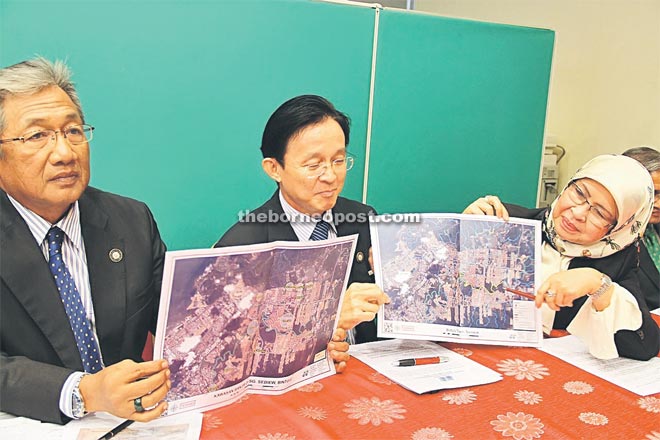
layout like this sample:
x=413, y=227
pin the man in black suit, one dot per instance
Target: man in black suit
x=649, y=267
x=74, y=315
x=304, y=149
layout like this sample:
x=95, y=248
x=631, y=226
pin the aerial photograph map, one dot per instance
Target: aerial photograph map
x=249, y=319
x=447, y=277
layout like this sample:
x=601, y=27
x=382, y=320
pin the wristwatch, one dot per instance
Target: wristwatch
x=605, y=283
x=77, y=402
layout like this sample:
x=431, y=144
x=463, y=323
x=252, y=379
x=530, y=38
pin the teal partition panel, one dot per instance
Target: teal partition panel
x=180, y=92
x=459, y=111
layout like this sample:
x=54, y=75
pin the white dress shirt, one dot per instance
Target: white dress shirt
x=303, y=224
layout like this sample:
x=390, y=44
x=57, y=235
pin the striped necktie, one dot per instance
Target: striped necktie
x=82, y=328
x=320, y=231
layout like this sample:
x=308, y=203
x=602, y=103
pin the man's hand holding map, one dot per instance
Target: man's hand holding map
x=249, y=319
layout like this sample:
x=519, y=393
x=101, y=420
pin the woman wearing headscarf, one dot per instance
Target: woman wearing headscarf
x=590, y=257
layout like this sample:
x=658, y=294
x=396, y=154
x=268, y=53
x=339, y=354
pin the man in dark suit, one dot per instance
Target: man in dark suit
x=649, y=275
x=81, y=268
x=304, y=149
x=649, y=252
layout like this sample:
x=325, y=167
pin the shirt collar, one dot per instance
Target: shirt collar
x=296, y=216
x=39, y=227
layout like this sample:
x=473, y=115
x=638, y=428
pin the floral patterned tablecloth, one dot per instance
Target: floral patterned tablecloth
x=540, y=396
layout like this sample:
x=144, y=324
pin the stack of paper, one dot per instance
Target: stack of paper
x=454, y=371
x=640, y=377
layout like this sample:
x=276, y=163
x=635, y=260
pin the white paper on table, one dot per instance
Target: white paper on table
x=457, y=372
x=187, y=426
x=639, y=377
x=24, y=427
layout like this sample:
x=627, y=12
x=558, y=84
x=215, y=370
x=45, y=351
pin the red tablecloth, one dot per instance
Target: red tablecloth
x=540, y=396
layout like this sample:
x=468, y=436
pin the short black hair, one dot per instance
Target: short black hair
x=292, y=117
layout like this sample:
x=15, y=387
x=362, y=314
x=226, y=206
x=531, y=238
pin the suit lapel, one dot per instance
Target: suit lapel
x=107, y=278
x=25, y=271
x=278, y=231
x=343, y=228
x=340, y=226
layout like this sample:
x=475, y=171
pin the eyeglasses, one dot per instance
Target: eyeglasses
x=36, y=140
x=595, y=215
x=316, y=170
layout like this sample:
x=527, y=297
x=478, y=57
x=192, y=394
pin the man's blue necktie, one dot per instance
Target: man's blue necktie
x=82, y=328
x=320, y=231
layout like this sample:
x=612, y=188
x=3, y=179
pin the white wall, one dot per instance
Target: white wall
x=605, y=85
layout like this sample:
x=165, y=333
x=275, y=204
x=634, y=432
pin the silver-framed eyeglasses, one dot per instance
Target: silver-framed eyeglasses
x=36, y=140
x=339, y=165
x=595, y=215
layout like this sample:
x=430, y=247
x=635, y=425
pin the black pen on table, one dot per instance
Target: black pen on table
x=420, y=361
x=117, y=429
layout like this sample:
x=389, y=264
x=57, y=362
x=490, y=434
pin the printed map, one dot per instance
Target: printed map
x=265, y=313
x=453, y=272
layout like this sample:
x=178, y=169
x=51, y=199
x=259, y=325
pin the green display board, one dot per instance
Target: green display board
x=180, y=91
x=459, y=112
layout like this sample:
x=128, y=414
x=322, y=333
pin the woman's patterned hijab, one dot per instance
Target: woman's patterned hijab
x=630, y=185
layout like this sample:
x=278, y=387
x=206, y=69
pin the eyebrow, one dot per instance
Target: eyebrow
x=585, y=189
x=42, y=121
x=318, y=155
